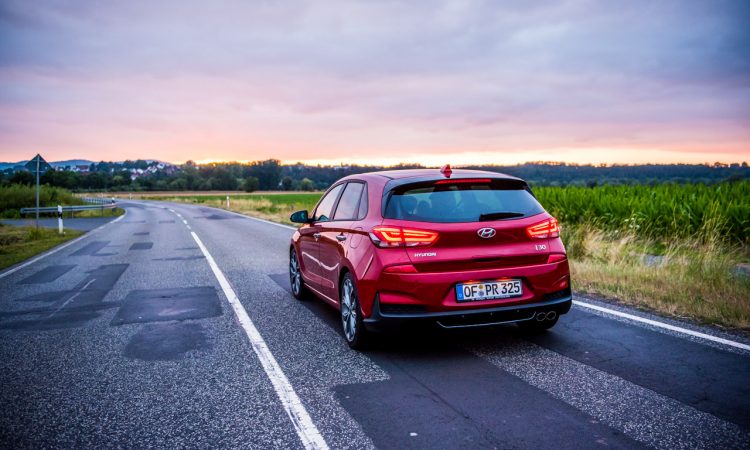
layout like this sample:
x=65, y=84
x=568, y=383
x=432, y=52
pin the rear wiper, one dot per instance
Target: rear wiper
x=499, y=215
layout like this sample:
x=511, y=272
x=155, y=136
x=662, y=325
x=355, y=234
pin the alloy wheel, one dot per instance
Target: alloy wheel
x=349, y=310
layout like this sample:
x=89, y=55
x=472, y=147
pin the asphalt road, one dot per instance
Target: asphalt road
x=136, y=336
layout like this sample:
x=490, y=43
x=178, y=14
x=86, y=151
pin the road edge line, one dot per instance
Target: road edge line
x=663, y=325
x=303, y=424
x=58, y=248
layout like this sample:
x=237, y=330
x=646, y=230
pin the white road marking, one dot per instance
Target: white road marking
x=666, y=326
x=58, y=248
x=303, y=424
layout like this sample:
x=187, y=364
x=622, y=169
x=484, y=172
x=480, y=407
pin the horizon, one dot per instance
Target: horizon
x=335, y=83
x=388, y=166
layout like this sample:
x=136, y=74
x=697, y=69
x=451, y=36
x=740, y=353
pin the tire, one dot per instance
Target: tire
x=351, y=314
x=535, y=327
x=297, y=284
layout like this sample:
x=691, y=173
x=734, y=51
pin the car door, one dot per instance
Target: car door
x=310, y=236
x=334, y=236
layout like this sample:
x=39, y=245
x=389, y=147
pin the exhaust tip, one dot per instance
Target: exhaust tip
x=541, y=316
x=551, y=315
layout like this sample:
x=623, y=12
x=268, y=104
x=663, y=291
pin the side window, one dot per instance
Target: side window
x=348, y=205
x=325, y=207
x=363, y=205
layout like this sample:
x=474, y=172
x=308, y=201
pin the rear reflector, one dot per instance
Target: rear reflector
x=556, y=257
x=464, y=181
x=402, y=268
x=387, y=236
x=544, y=230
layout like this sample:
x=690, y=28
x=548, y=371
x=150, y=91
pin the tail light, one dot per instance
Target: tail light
x=388, y=236
x=544, y=230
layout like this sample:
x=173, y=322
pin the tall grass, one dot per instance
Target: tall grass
x=15, y=196
x=663, y=211
x=688, y=277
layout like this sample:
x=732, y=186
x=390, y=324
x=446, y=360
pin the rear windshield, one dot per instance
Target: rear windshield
x=461, y=202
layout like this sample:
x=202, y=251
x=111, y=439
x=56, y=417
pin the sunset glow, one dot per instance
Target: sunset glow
x=376, y=82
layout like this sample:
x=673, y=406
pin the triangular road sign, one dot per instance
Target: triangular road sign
x=43, y=165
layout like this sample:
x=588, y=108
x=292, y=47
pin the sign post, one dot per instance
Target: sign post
x=39, y=165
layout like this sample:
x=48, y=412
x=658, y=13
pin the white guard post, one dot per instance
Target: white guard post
x=59, y=219
x=227, y=202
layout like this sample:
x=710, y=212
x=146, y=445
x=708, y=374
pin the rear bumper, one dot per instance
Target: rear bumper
x=380, y=320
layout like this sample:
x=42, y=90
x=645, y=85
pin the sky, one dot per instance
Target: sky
x=376, y=82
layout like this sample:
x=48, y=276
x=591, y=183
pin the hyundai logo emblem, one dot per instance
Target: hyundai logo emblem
x=486, y=233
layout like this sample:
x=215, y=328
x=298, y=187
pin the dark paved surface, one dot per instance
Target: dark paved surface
x=125, y=339
x=81, y=223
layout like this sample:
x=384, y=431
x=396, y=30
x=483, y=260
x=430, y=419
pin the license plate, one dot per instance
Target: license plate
x=488, y=290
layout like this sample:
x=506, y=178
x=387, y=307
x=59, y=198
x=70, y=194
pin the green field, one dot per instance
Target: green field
x=719, y=211
x=669, y=248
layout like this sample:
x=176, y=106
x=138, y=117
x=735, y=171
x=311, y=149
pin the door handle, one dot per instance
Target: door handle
x=341, y=237
x=316, y=236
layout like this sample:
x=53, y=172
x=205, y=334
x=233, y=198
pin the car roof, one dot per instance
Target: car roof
x=428, y=173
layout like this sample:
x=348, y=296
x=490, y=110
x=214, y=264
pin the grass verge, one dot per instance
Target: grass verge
x=114, y=212
x=688, y=278
x=20, y=243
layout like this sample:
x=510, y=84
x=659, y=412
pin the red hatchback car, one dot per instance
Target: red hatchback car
x=458, y=248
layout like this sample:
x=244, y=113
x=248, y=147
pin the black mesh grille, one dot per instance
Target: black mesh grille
x=557, y=295
x=386, y=308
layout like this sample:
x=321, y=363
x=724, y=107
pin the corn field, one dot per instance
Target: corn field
x=716, y=212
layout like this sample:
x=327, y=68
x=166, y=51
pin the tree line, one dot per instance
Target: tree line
x=273, y=175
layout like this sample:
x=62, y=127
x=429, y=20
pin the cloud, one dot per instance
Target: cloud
x=349, y=78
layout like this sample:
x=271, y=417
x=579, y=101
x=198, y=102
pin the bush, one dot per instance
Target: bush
x=15, y=196
x=306, y=185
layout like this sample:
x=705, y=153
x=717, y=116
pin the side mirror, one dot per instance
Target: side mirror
x=299, y=217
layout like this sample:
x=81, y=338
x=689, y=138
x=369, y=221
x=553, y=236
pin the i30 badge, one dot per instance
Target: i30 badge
x=486, y=233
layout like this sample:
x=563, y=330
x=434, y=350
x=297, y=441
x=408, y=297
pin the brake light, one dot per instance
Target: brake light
x=446, y=171
x=389, y=236
x=464, y=180
x=544, y=230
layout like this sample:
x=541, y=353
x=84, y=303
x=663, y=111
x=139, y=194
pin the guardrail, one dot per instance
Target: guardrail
x=100, y=204
x=73, y=208
x=98, y=200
